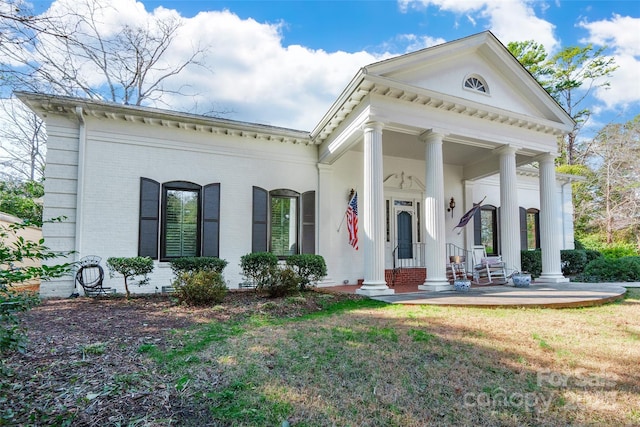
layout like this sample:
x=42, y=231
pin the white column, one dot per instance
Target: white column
x=434, y=206
x=509, y=210
x=549, y=223
x=372, y=214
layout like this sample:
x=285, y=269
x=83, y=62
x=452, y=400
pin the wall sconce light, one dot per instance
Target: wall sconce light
x=452, y=205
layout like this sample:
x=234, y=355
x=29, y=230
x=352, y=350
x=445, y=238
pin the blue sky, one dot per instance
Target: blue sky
x=284, y=62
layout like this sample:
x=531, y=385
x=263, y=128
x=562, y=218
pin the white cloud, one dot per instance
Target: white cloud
x=247, y=70
x=621, y=35
x=508, y=20
x=261, y=80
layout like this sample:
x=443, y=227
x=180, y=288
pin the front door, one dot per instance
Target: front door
x=404, y=232
x=404, y=226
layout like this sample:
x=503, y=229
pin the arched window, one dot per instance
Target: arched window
x=178, y=219
x=476, y=83
x=283, y=222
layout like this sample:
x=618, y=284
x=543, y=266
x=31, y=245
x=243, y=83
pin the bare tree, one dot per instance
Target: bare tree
x=22, y=142
x=73, y=53
x=615, y=158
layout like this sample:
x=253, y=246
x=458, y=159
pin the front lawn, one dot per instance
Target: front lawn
x=319, y=359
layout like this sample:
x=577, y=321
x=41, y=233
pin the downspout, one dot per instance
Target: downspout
x=82, y=141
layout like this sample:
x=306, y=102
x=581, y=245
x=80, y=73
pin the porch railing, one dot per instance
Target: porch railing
x=414, y=256
x=409, y=256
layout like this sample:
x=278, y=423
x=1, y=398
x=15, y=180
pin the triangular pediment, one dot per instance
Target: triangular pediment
x=503, y=83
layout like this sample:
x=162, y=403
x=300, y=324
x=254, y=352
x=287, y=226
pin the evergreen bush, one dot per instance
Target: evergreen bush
x=201, y=288
x=573, y=261
x=603, y=269
x=193, y=264
x=282, y=282
x=310, y=268
x=531, y=262
x=592, y=254
x=257, y=267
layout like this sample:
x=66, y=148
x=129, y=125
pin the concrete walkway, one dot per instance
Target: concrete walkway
x=556, y=295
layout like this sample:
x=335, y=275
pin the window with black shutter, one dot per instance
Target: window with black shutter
x=283, y=222
x=178, y=219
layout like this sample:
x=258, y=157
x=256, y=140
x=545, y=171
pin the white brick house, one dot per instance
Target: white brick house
x=461, y=120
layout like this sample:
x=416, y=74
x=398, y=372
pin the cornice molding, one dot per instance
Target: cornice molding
x=423, y=98
x=55, y=105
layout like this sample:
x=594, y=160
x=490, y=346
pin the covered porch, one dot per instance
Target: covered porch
x=422, y=139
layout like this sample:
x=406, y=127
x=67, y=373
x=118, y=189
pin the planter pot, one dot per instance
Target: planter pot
x=462, y=285
x=521, y=280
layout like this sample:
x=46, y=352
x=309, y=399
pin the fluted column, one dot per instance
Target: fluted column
x=372, y=214
x=550, y=230
x=509, y=210
x=434, y=203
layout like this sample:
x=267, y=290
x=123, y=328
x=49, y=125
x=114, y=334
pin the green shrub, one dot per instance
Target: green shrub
x=204, y=287
x=573, y=261
x=310, y=268
x=531, y=262
x=592, y=254
x=281, y=282
x=604, y=269
x=193, y=264
x=131, y=267
x=11, y=303
x=14, y=251
x=257, y=267
x=619, y=250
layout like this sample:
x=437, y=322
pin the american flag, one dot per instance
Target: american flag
x=352, y=221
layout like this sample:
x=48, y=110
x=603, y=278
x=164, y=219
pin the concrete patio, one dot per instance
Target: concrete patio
x=538, y=295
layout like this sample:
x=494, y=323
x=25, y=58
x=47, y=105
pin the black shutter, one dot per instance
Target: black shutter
x=523, y=229
x=537, y=219
x=149, y=218
x=309, y=222
x=259, y=222
x=477, y=228
x=497, y=232
x=211, y=220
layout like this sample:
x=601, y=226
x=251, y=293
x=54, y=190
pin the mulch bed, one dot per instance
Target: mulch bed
x=83, y=365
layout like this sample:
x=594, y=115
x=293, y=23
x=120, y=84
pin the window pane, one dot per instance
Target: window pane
x=181, y=237
x=531, y=231
x=284, y=226
x=488, y=231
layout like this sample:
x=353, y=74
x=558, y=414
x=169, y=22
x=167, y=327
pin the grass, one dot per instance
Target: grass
x=366, y=363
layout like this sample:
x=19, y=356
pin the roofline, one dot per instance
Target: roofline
x=43, y=103
x=337, y=104
x=482, y=38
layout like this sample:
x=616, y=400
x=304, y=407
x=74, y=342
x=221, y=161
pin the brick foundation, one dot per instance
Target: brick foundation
x=405, y=276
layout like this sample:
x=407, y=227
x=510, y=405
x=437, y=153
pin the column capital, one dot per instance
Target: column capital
x=432, y=136
x=324, y=168
x=546, y=158
x=507, y=150
x=373, y=124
